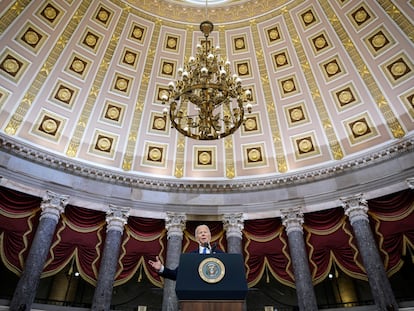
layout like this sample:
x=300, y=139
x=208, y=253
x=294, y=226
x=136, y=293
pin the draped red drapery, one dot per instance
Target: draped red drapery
x=331, y=245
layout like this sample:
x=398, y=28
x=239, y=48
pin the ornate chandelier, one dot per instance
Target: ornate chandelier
x=207, y=102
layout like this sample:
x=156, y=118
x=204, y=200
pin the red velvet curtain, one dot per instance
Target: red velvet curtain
x=80, y=236
x=19, y=216
x=392, y=220
x=266, y=251
x=331, y=244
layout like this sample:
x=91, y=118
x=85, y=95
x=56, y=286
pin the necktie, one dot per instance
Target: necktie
x=205, y=250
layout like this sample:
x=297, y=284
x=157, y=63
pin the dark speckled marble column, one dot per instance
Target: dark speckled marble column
x=52, y=206
x=233, y=224
x=116, y=218
x=356, y=209
x=175, y=224
x=293, y=220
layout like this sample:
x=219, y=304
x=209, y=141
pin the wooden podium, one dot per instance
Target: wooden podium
x=213, y=282
x=211, y=305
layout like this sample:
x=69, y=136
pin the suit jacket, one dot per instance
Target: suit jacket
x=172, y=273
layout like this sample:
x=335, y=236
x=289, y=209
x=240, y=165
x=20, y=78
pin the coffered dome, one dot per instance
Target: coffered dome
x=332, y=84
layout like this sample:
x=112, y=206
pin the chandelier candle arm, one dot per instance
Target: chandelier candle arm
x=206, y=102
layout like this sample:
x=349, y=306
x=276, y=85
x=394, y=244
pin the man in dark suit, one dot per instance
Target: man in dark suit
x=203, y=237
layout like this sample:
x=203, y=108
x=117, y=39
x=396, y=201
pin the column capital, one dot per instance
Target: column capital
x=356, y=207
x=233, y=224
x=292, y=219
x=53, y=204
x=116, y=218
x=410, y=182
x=175, y=224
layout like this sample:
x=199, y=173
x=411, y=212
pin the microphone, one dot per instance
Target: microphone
x=206, y=245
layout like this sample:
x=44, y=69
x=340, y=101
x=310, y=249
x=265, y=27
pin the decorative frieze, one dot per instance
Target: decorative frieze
x=38, y=156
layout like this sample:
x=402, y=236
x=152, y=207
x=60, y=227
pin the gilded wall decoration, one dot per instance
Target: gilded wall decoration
x=78, y=66
x=239, y=44
x=50, y=13
x=205, y=157
x=361, y=16
x=64, y=94
x=103, y=15
x=243, y=69
x=305, y=146
x=104, y=144
x=345, y=97
x=254, y=155
x=49, y=125
x=281, y=59
x=320, y=43
x=288, y=86
x=12, y=65
x=122, y=84
x=32, y=37
x=398, y=69
x=308, y=18
x=171, y=43
x=154, y=154
x=91, y=40
x=273, y=34
x=137, y=32
x=113, y=112
x=167, y=68
x=379, y=41
x=332, y=68
x=158, y=123
x=252, y=124
x=129, y=58
x=360, y=128
x=296, y=114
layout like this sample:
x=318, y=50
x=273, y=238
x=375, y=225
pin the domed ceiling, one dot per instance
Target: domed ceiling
x=81, y=82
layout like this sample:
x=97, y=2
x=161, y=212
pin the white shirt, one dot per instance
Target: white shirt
x=201, y=250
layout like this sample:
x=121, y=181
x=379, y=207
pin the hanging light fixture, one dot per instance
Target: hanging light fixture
x=206, y=102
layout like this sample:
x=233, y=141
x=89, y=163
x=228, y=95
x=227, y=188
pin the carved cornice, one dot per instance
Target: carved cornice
x=185, y=12
x=133, y=180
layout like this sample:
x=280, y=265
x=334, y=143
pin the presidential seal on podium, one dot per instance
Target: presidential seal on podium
x=211, y=270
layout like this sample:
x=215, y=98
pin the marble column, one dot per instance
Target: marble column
x=233, y=224
x=175, y=225
x=292, y=219
x=52, y=207
x=356, y=209
x=116, y=218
